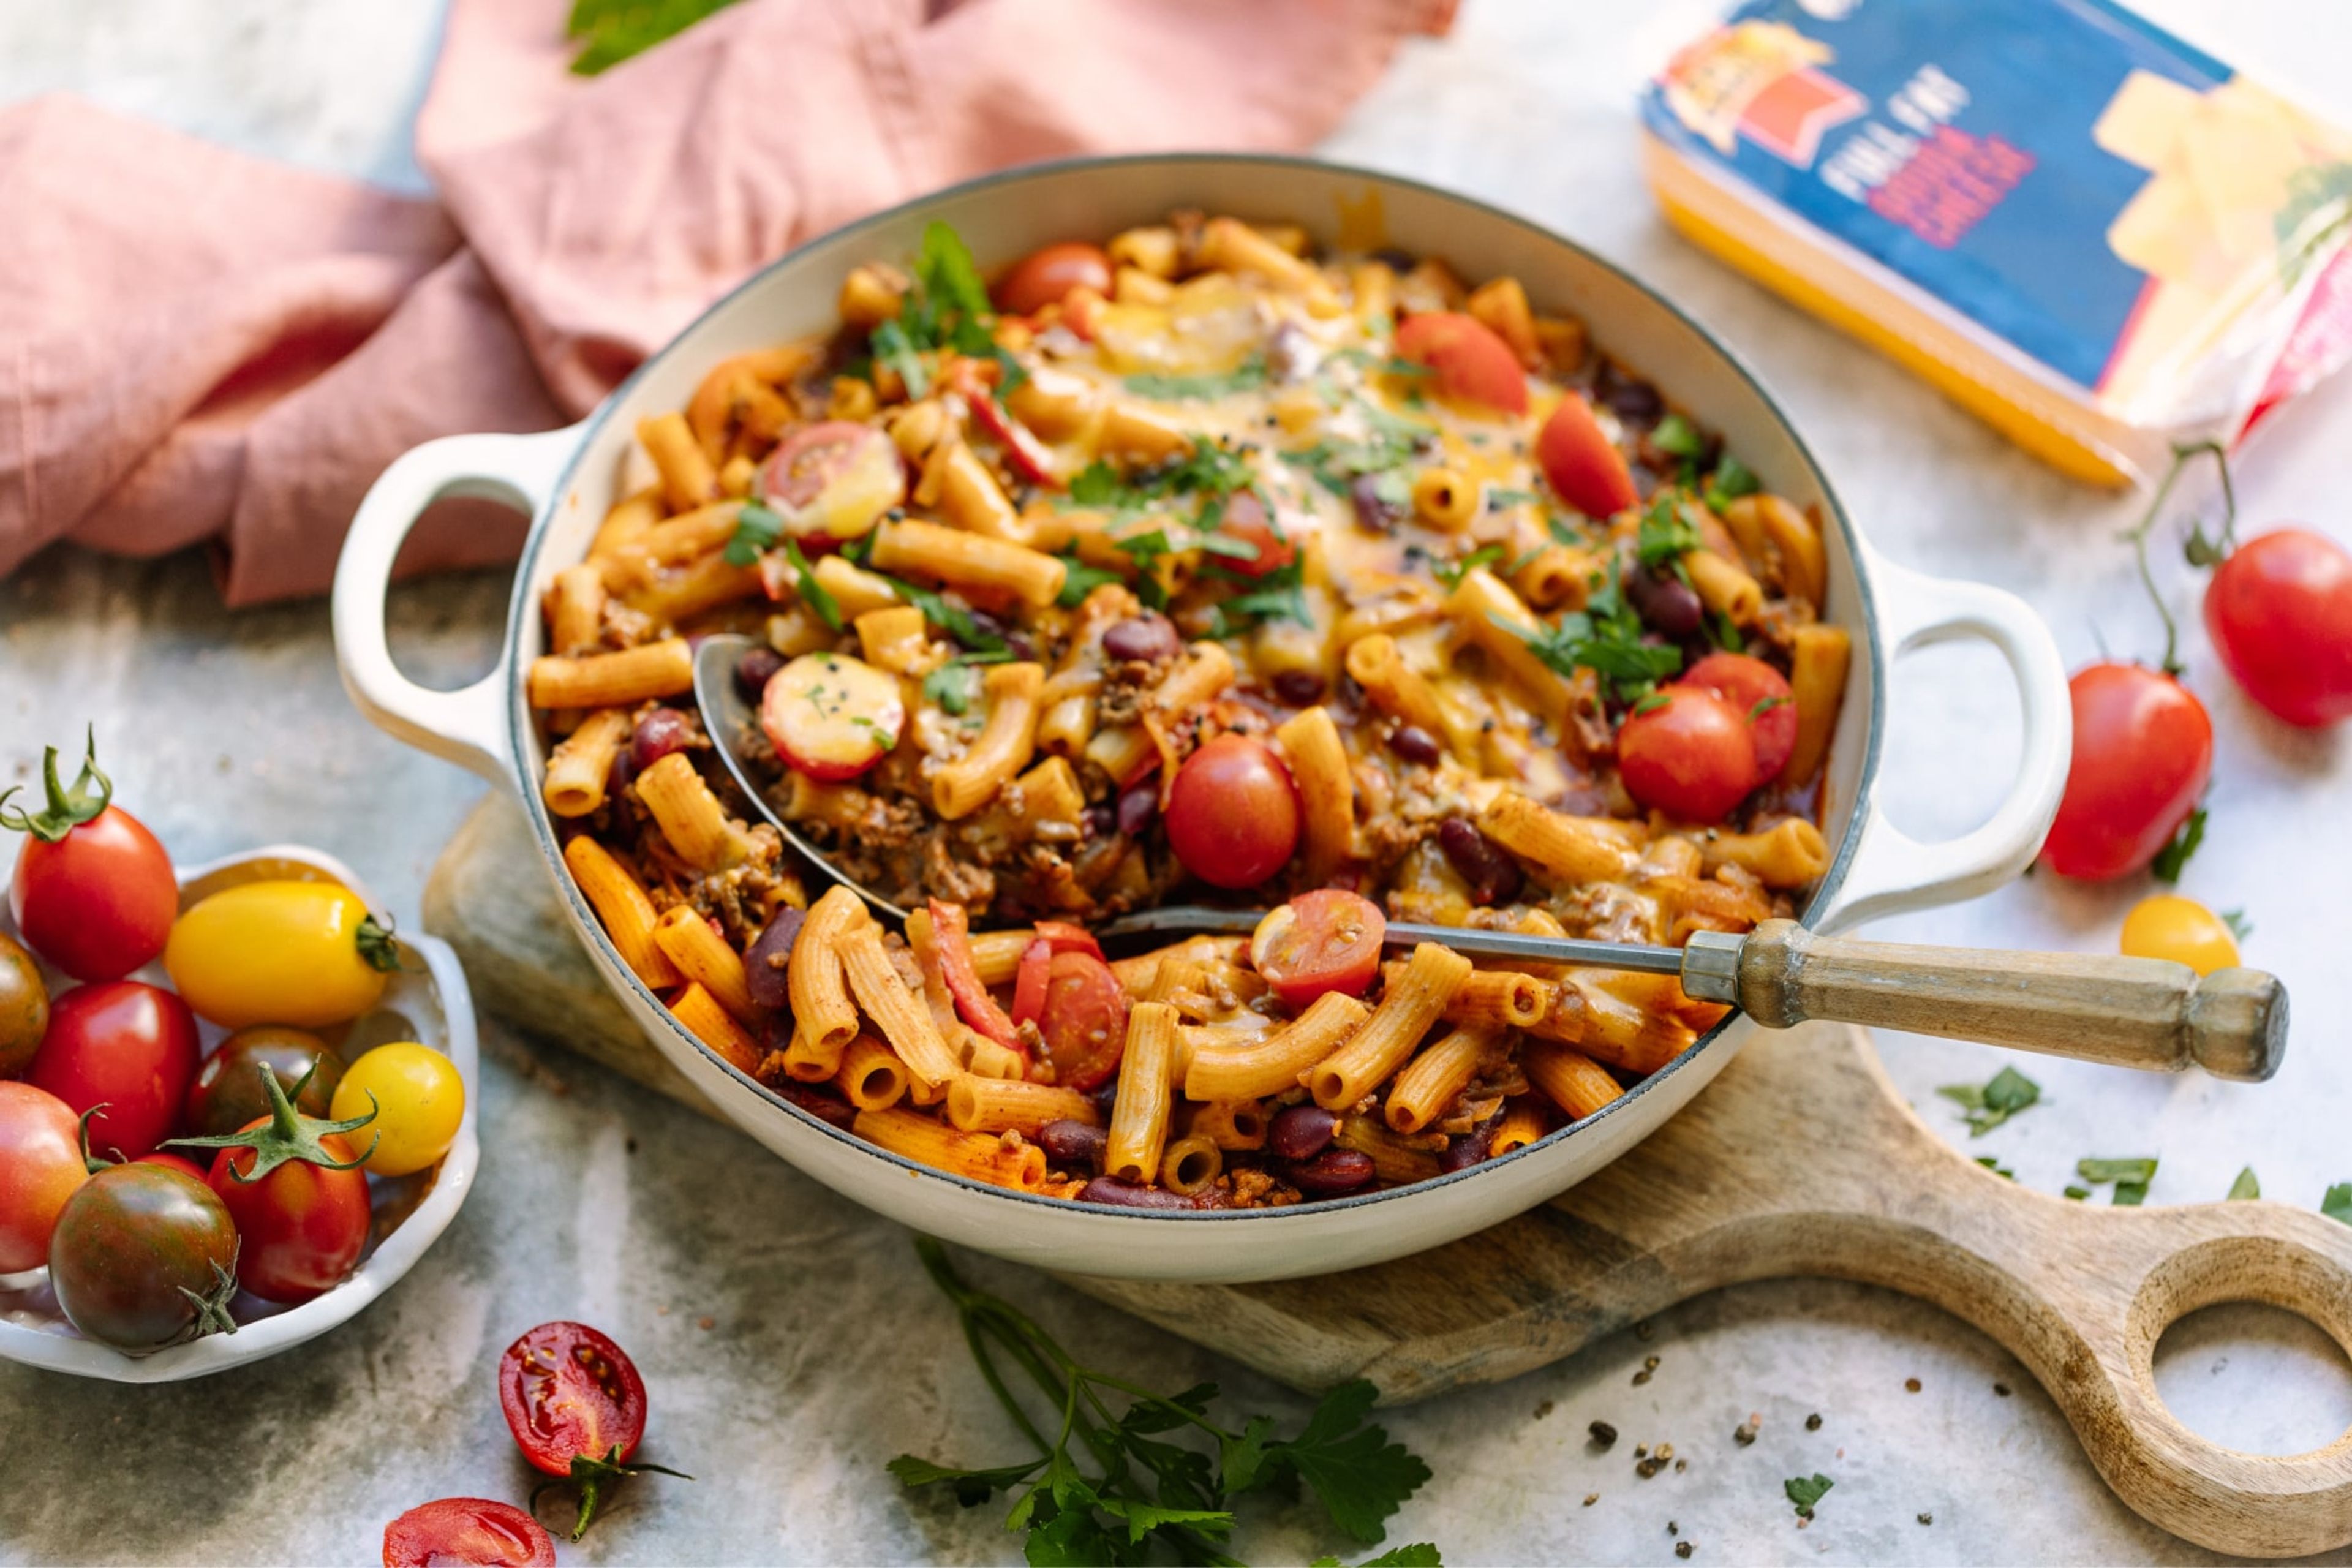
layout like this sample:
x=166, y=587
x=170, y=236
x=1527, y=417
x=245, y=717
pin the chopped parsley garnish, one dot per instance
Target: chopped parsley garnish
x=1451, y=573
x=1081, y=579
x=1731, y=479
x=1988, y=1105
x=2131, y=1178
x=812, y=593
x=1804, y=1491
x=1247, y=376
x=1503, y=500
x=1722, y=633
x=1605, y=637
x=2336, y=1204
x=1562, y=531
x=756, y=530
x=895, y=347
x=2245, y=1187
x=1676, y=436
x=1650, y=704
x=1277, y=597
x=1667, y=535
x=950, y=618
x=2169, y=860
x=1110, y=1486
x=1208, y=469
x=1765, y=705
x=946, y=308
x=955, y=685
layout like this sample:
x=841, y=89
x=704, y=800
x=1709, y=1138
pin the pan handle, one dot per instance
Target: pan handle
x=1892, y=871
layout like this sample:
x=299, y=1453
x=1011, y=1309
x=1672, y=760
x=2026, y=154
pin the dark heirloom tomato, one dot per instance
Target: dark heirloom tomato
x=143, y=1257
x=576, y=1406
x=2279, y=611
x=303, y=1224
x=2143, y=749
x=1044, y=277
x=1083, y=1020
x=127, y=1045
x=24, y=1007
x=1585, y=469
x=466, y=1532
x=40, y=1167
x=93, y=892
x=226, y=1095
x=1755, y=689
x=1327, y=940
x=1470, y=358
x=1233, y=813
x=1691, y=755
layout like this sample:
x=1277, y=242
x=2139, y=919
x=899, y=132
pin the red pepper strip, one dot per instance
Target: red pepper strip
x=1029, y=983
x=1022, y=451
x=1064, y=937
x=951, y=928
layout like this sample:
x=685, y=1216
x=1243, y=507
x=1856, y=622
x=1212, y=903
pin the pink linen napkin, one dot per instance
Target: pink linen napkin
x=196, y=345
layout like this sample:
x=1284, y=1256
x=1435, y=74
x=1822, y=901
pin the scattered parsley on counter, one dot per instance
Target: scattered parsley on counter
x=1804, y=1491
x=2245, y=1186
x=2131, y=1178
x=1987, y=1106
x=2338, y=1204
x=1140, y=1488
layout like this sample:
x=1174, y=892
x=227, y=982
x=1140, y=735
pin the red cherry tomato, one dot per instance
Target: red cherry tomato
x=124, y=1043
x=569, y=1392
x=1750, y=685
x=2279, y=610
x=1691, y=756
x=1327, y=940
x=1023, y=452
x=1247, y=519
x=831, y=481
x=1233, y=813
x=1584, y=467
x=2143, y=747
x=466, y=1532
x=1471, y=360
x=40, y=1167
x=93, y=892
x=1083, y=1019
x=1044, y=277
x=1029, y=980
x=301, y=1226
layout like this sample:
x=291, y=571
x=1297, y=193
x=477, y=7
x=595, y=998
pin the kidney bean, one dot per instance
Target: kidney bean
x=1125, y=1196
x=753, y=670
x=1298, y=687
x=819, y=1101
x=1664, y=601
x=1414, y=744
x=1149, y=637
x=1073, y=1145
x=1396, y=258
x=765, y=965
x=1100, y=820
x=661, y=731
x=1138, y=806
x=1106, y=1097
x=1464, y=1150
x=1373, y=510
x=1301, y=1131
x=1634, y=402
x=1331, y=1172
x=1493, y=875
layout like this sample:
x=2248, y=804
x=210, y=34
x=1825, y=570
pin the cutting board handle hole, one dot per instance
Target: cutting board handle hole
x=2256, y=1378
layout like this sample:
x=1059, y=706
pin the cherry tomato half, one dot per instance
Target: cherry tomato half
x=1046, y=277
x=1692, y=755
x=40, y=1167
x=1470, y=358
x=1584, y=467
x=466, y=1532
x=2279, y=611
x=831, y=481
x=2143, y=749
x=1233, y=813
x=569, y=1390
x=1761, y=694
x=93, y=891
x=2167, y=926
x=302, y=1226
x=24, y=1007
x=1083, y=1019
x=124, y=1043
x=1327, y=940
x=1247, y=519
x=141, y=1257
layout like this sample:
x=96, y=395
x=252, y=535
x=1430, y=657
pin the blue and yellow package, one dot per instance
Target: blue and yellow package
x=2093, y=235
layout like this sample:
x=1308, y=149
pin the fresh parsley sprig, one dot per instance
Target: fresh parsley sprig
x=945, y=307
x=1667, y=533
x=1449, y=573
x=1605, y=636
x=1107, y=1488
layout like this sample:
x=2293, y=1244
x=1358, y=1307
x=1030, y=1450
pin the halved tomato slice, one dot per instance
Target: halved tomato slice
x=1023, y=452
x=1470, y=358
x=1584, y=467
x=1247, y=519
x=1327, y=940
x=1084, y=1020
x=831, y=717
x=832, y=482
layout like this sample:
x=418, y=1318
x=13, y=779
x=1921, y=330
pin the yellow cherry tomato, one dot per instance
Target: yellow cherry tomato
x=304, y=953
x=2166, y=925
x=419, y=1100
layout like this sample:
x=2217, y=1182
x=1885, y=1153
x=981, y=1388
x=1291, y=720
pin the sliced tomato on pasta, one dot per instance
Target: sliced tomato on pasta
x=831, y=717
x=1084, y=1020
x=1470, y=358
x=1585, y=468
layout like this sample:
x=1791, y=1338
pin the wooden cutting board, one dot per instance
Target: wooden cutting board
x=1800, y=1159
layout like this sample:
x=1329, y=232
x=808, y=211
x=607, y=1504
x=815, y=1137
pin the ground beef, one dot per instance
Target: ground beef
x=1256, y=1189
x=956, y=880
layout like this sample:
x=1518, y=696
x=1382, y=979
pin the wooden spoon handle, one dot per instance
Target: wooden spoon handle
x=2132, y=1012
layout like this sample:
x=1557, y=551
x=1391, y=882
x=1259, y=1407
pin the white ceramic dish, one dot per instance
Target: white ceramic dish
x=426, y=1002
x=566, y=479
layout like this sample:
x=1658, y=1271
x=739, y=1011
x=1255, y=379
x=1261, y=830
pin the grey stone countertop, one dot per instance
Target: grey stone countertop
x=790, y=1343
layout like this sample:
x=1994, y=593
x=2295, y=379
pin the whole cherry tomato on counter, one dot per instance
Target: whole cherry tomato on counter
x=2167, y=926
x=292, y=1184
x=1233, y=813
x=143, y=1257
x=1584, y=467
x=41, y=1166
x=2143, y=750
x=2279, y=610
x=24, y=1007
x=1324, y=940
x=1044, y=277
x=304, y=953
x=466, y=1532
x=93, y=891
x=1471, y=358
x=577, y=1408
x=127, y=1047
x=1687, y=752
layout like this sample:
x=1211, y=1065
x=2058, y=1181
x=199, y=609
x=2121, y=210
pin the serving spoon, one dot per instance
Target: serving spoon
x=2141, y=1013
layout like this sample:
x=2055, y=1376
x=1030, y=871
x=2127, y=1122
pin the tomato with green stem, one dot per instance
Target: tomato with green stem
x=226, y=1095
x=41, y=1166
x=576, y=1406
x=144, y=1257
x=93, y=892
x=293, y=1185
x=2143, y=750
x=308, y=954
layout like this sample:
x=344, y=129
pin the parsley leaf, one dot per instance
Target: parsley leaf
x=1730, y=480
x=1666, y=535
x=2169, y=860
x=1804, y=1491
x=1147, y=1491
x=2337, y=1203
x=1451, y=573
x=812, y=593
x=1992, y=1163
x=955, y=685
x=2131, y=1178
x=617, y=29
x=1098, y=484
x=2245, y=1186
x=2077, y=1194
x=1605, y=636
x=1277, y=597
x=1249, y=375
x=895, y=346
x=1723, y=633
x=946, y=307
x=944, y=270
x=756, y=529
x=1081, y=580
x=1676, y=436
x=1985, y=1107
x=950, y=618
